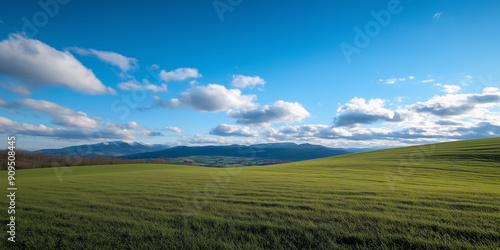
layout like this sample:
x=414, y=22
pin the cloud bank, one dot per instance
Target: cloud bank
x=38, y=64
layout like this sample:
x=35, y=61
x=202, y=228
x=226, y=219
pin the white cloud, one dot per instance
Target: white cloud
x=280, y=111
x=76, y=125
x=437, y=15
x=241, y=81
x=41, y=65
x=394, y=80
x=439, y=119
x=234, y=130
x=124, y=63
x=400, y=98
x=175, y=129
x=427, y=80
x=391, y=80
x=491, y=90
x=211, y=98
x=69, y=124
x=467, y=79
x=450, y=89
x=9, y=126
x=358, y=111
x=312, y=132
x=61, y=115
x=180, y=74
x=428, y=132
x=465, y=105
x=460, y=106
x=146, y=85
x=16, y=87
x=105, y=131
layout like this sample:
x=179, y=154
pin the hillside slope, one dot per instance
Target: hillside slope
x=443, y=196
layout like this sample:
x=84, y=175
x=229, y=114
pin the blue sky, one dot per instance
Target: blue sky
x=223, y=72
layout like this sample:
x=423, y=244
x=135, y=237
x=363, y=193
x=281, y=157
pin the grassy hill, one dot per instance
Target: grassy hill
x=435, y=196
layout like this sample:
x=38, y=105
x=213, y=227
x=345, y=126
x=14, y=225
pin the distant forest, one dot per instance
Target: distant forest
x=27, y=160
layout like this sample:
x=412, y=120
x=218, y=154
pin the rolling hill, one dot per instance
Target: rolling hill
x=439, y=196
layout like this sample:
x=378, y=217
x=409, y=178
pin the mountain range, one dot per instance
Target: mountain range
x=278, y=151
x=138, y=150
x=112, y=149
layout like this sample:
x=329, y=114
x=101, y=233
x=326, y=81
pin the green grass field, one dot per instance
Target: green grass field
x=222, y=161
x=444, y=196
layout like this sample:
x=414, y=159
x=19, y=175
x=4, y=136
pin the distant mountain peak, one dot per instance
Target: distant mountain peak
x=112, y=148
x=128, y=142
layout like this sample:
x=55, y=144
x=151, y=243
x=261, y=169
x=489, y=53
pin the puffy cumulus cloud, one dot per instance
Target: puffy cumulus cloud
x=304, y=132
x=41, y=65
x=124, y=63
x=234, y=130
x=175, y=129
x=450, y=89
x=9, y=126
x=104, y=131
x=358, y=111
x=491, y=90
x=280, y=111
x=403, y=136
x=146, y=85
x=456, y=108
x=241, y=81
x=180, y=74
x=321, y=131
x=61, y=115
x=69, y=124
x=210, y=98
x=482, y=129
x=472, y=105
x=441, y=118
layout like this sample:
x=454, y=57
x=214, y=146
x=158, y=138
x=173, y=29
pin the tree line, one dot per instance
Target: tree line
x=28, y=160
